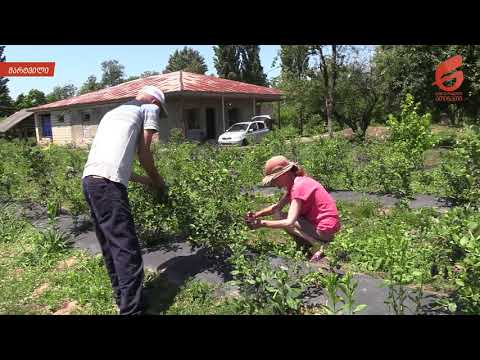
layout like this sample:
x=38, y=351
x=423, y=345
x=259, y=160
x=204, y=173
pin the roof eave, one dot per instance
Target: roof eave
x=231, y=94
x=7, y=125
x=66, y=107
x=258, y=97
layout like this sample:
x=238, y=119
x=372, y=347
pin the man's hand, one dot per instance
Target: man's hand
x=160, y=184
x=162, y=191
x=144, y=180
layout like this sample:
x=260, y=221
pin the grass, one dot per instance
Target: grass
x=445, y=129
x=36, y=277
x=199, y=298
x=433, y=157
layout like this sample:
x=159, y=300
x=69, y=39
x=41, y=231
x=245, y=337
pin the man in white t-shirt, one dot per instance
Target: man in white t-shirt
x=123, y=132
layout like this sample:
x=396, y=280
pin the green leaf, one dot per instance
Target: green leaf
x=464, y=241
x=452, y=307
x=473, y=226
x=417, y=273
x=292, y=304
x=360, y=307
x=294, y=292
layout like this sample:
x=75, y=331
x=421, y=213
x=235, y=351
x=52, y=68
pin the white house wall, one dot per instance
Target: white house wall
x=74, y=130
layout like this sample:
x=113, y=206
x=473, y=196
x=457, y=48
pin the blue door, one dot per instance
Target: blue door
x=46, y=126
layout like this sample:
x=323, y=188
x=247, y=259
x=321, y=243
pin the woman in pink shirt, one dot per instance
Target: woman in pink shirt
x=312, y=218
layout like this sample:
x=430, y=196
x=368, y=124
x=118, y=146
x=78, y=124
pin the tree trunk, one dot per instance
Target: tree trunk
x=331, y=90
x=359, y=131
x=328, y=107
x=301, y=122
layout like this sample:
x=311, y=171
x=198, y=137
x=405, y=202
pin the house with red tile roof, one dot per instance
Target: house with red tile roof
x=201, y=106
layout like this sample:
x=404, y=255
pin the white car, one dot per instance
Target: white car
x=244, y=133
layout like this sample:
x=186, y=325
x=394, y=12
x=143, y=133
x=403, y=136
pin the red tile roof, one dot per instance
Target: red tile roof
x=179, y=81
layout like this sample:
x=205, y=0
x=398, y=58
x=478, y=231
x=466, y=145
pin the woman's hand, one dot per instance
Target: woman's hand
x=254, y=224
x=251, y=220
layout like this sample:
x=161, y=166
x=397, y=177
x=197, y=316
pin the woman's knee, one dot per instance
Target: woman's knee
x=325, y=237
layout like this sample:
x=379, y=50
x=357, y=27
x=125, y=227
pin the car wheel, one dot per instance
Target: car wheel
x=244, y=142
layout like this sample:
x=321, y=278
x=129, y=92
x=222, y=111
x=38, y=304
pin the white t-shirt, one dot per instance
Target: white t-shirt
x=117, y=138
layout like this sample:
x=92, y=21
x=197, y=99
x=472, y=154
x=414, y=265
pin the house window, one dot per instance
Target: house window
x=85, y=117
x=193, y=119
x=61, y=118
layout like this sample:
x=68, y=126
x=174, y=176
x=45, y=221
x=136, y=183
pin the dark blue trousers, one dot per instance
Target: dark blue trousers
x=111, y=215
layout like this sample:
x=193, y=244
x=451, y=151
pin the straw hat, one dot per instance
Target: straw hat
x=275, y=167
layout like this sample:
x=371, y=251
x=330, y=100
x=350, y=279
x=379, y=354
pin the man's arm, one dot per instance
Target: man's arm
x=147, y=162
x=145, y=180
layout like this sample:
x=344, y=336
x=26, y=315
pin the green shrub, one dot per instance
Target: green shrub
x=265, y=289
x=390, y=166
x=176, y=136
x=385, y=170
x=314, y=126
x=458, y=234
x=410, y=134
x=386, y=244
x=330, y=162
x=461, y=170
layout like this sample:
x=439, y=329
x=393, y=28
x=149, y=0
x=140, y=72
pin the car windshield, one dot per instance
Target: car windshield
x=238, y=127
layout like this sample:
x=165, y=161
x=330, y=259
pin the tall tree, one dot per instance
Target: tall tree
x=299, y=99
x=5, y=99
x=302, y=103
x=187, y=59
x=62, y=92
x=295, y=60
x=142, y=75
x=90, y=85
x=358, y=95
x=149, y=73
x=411, y=69
x=239, y=62
x=227, y=61
x=251, y=68
x=131, y=78
x=33, y=98
x=330, y=60
x=113, y=73
x=20, y=102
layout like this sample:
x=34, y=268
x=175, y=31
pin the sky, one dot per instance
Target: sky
x=75, y=63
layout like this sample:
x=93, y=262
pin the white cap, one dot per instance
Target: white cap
x=157, y=94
